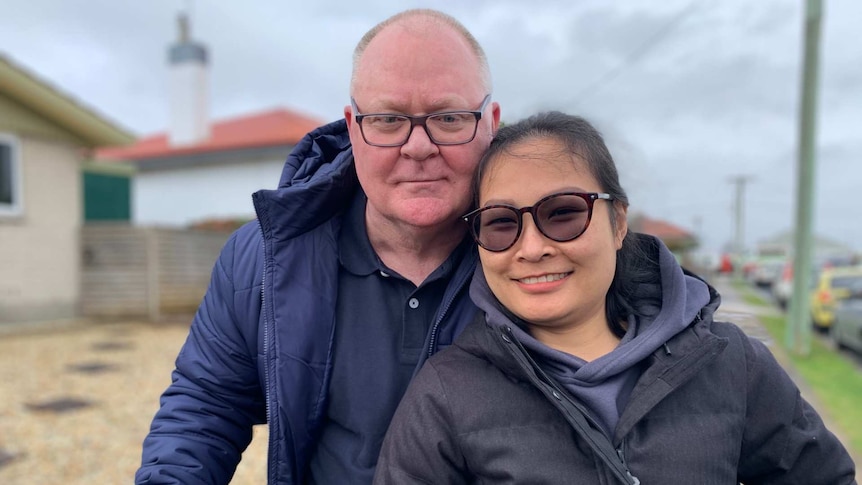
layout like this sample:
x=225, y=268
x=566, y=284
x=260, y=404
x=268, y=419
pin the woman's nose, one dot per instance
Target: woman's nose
x=532, y=245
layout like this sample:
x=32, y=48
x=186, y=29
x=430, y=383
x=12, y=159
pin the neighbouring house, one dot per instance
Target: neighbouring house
x=190, y=186
x=781, y=245
x=677, y=239
x=180, y=185
x=680, y=241
x=45, y=137
x=199, y=171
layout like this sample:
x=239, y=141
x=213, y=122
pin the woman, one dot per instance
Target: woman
x=596, y=358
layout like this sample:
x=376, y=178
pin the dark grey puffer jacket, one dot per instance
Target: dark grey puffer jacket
x=711, y=407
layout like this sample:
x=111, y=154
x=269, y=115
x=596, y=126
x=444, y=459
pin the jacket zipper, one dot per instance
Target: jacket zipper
x=266, y=372
x=614, y=462
x=622, y=455
x=432, y=343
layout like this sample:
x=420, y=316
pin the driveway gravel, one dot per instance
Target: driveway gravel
x=76, y=400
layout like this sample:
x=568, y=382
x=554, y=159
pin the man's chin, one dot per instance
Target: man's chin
x=427, y=213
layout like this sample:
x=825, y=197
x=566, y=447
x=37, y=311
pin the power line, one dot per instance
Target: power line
x=636, y=54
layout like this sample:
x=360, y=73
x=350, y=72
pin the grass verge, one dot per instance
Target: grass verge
x=835, y=381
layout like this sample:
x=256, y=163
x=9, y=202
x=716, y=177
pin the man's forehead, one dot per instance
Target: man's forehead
x=385, y=102
x=411, y=43
x=418, y=66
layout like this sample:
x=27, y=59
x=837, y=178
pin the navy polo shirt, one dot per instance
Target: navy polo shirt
x=382, y=323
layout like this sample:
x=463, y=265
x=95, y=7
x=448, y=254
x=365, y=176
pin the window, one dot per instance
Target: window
x=10, y=177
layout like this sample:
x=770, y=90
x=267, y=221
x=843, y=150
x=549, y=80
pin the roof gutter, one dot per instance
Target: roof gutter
x=47, y=101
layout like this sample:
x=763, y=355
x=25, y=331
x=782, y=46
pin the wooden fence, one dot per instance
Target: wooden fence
x=146, y=272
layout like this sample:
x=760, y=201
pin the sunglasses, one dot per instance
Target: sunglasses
x=560, y=217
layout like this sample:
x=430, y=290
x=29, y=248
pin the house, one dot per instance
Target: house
x=681, y=242
x=45, y=136
x=190, y=186
x=197, y=170
x=213, y=177
x=677, y=239
x=781, y=245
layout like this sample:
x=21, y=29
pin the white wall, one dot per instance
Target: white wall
x=178, y=197
x=39, y=249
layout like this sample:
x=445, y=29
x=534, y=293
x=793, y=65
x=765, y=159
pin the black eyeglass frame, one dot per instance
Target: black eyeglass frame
x=420, y=121
x=588, y=197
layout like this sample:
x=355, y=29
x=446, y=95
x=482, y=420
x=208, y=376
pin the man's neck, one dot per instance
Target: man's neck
x=414, y=252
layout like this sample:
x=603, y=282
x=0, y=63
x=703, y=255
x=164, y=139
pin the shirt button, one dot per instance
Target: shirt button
x=414, y=303
x=384, y=274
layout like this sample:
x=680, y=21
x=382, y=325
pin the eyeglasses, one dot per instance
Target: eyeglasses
x=560, y=217
x=443, y=128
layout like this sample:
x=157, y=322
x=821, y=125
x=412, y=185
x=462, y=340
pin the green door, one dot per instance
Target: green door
x=107, y=197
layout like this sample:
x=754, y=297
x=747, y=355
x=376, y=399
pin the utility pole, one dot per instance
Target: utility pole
x=799, y=319
x=697, y=221
x=738, y=224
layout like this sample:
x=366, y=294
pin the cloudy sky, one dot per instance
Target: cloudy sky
x=690, y=94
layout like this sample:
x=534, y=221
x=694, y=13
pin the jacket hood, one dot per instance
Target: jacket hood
x=683, y=297
x=317, y=181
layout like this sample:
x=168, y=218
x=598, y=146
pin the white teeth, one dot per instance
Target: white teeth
x=543, y=279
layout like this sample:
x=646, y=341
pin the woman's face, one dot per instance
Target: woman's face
x=554, y=285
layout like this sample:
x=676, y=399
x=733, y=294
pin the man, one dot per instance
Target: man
x=357, y=270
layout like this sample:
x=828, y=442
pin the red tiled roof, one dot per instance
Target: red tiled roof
x=274, y=127
x=661, y=229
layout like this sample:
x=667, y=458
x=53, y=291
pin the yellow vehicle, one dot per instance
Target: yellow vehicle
x=831, y=286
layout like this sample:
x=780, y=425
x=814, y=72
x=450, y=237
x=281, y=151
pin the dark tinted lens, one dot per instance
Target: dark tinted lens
x=563, y=217
x=496, y=228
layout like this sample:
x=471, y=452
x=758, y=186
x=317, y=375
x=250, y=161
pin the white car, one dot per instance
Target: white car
x=782, y=286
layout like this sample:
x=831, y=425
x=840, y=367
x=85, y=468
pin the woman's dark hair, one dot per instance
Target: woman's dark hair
x=637, y=262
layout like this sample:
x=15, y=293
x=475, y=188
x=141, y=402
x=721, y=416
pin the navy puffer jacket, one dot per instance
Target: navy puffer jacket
x=259, y=348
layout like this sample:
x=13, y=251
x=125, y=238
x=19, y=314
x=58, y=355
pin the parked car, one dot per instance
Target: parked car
x=782, y=286
x=766, y=270
x=833, y=285
x=847, y=328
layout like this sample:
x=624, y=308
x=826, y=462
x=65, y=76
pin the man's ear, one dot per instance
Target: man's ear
x=348, y=115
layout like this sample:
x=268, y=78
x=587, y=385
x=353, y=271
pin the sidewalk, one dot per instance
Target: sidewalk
x=734, y=309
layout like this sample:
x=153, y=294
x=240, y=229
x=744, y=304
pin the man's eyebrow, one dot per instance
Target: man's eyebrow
x=451, y=104
x=437, y=106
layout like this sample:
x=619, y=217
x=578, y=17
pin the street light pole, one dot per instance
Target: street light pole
x=739, y=224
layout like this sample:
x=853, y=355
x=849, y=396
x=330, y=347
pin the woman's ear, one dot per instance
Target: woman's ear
x=622, y=224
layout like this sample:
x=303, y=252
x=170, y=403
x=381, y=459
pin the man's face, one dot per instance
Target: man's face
x=415, y=72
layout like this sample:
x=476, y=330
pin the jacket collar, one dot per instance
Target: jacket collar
x=317, y=182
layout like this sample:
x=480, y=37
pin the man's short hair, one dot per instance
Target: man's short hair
x=434, y=17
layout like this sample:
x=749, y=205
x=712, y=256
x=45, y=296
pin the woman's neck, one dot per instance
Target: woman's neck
x=588, y=340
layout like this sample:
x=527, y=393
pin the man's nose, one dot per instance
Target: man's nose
x=419, y=145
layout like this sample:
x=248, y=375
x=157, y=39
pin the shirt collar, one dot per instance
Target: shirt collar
x=357, y=256
x=354, y=248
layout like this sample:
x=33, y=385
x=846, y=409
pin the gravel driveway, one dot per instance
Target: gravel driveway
x=76, y=401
